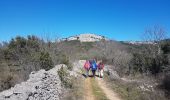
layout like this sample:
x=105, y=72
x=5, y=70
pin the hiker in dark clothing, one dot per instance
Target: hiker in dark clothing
x=93, y=67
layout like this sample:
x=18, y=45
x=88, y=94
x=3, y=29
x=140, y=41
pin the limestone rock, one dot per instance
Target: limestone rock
x=41, y=85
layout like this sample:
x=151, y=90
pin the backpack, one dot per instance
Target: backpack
x=100, y=66
x=87, y=65
x=94, y=65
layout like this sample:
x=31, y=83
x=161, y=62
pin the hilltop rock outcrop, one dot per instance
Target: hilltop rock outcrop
x=87, y=37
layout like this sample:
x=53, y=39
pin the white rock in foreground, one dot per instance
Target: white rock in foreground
x=41, y=85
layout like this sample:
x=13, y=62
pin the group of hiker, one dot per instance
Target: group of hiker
x=94, y=66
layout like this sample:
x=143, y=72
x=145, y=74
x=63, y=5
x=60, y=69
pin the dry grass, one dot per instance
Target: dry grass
x=131, y=91
x=97, y=91
x=76, y=92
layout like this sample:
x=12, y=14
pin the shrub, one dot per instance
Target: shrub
x=65, y=60
x=33, y=43
x=143, y=63
x=165, y=46
x=166, y=83
x=18, y=42
x=45, y=61
x=87, y=45
x=65, y=77
x=6, y=82
x=10, y=54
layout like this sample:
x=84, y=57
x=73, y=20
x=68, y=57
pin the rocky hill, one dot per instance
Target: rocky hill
x=87, y=37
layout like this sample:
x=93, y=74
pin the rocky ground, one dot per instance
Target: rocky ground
x=41, y=85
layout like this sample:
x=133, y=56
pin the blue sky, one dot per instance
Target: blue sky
x=116, y=19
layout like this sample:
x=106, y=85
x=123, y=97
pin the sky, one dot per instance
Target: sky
x=121, y=20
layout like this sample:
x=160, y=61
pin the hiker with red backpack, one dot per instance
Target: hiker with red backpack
x=100, y=69
x=87, y=67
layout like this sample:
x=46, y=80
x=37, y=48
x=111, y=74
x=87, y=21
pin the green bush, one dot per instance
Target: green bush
x=65, y=60
x=45, y=61
x=33, y=42
x=18, y=42
x=10, y=54
x=165, y=46
x=65, y=77
x=143, y=63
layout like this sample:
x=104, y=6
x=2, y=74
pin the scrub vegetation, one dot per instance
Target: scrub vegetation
x=149, y=61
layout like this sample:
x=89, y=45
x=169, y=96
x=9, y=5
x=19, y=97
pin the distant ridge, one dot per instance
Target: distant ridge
x=138, y=42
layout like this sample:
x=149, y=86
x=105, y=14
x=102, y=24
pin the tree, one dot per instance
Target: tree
x=154, y=35
x=153, y=57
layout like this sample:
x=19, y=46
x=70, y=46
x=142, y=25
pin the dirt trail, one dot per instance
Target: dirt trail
x=88, y=90
x=110, y=94
x=88, y=87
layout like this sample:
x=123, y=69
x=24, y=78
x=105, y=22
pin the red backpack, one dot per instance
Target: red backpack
x=100, y=65
x=87, y=65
